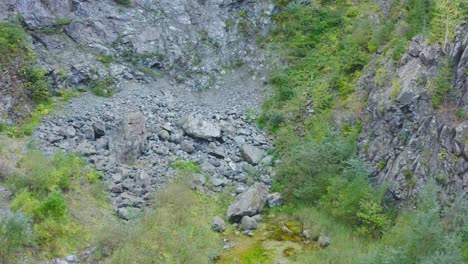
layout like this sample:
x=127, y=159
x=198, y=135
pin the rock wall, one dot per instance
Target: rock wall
x=407, y=139
x=195, y=42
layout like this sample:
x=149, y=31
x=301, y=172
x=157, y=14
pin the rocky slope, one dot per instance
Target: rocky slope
x=135, y=137
x=407, y=138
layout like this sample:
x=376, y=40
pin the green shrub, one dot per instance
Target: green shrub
x=441, y=83
x=124, y=2
x=372, y=220
x=54, y=206
x=15, y=234
x=186, y=166
x=308, y=168
x=102, y=87
x=419, y=237
x=46, y=192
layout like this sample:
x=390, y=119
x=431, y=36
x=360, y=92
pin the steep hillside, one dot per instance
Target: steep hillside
x=233, y=131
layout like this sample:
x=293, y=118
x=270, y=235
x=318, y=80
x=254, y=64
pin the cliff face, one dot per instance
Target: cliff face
x=81, y=43
x=415, y=118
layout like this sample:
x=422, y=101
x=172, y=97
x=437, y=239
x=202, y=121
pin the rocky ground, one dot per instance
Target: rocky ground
x=135, y=136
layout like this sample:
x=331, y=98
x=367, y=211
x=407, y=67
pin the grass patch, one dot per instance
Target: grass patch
x=176, y=230
x=62, y=198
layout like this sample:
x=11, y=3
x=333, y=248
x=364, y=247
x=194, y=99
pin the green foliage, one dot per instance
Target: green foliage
x=63, y=21
x=37, y=84
x=373, y=221
x=126, y=3
x=441, y=83
x=106, y=59
x=419, y=16
x=102, y=87
x=447, y=15
x=308, y=168
x=12, y=39
x=45, y=191
x=186, y=167
x=15, y=234
x=67, y=95
x=419, y=237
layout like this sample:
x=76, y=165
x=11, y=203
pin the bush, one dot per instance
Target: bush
x=46, y=192
x=15, y=234
x=124, y=2
x=186, y=167
x=308, y=168
x=419, y=237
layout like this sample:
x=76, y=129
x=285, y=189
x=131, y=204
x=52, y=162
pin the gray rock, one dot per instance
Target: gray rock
x=248, y=203
x=324, y=241
x=248, y=223
x=218, y=224
x=198, y=181
x=275, y=199
x=143, y=179
x=70, y=132
x=164, y=135
x=258, y=218
x=252, y=154
x=187, y=147
x=201, y=129
x=86, y=149
x=99, y=129
x=128, y=140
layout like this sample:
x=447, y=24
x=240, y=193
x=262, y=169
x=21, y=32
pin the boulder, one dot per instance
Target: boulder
x=86, y=149
x=201, y=129
x=248, y=203
x=99, y=129
x=252, y=154
x=218, y=224
x=248, y=223
x=275, y=199
x=324, y=241
x=128, y=140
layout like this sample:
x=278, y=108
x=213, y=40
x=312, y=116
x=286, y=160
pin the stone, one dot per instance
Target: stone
x=275, y=199
x=248, y=203
x=99, y=129
x=248, y=233
x=201, y=129
x=86, y=149
x=128, y=140
x=143, y=179
x=70, y=132
x=258, y=218
x=252, y=154
x=323, y=241
x=218, y=224
x=187, y=147
x=248, y=223
x=164, y=135
x=217, y=152
x=88, y=132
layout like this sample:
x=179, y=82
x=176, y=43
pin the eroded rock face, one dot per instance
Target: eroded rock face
x=407, y=139
x=128, y=140
x=248, y=203
x=192, y=41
